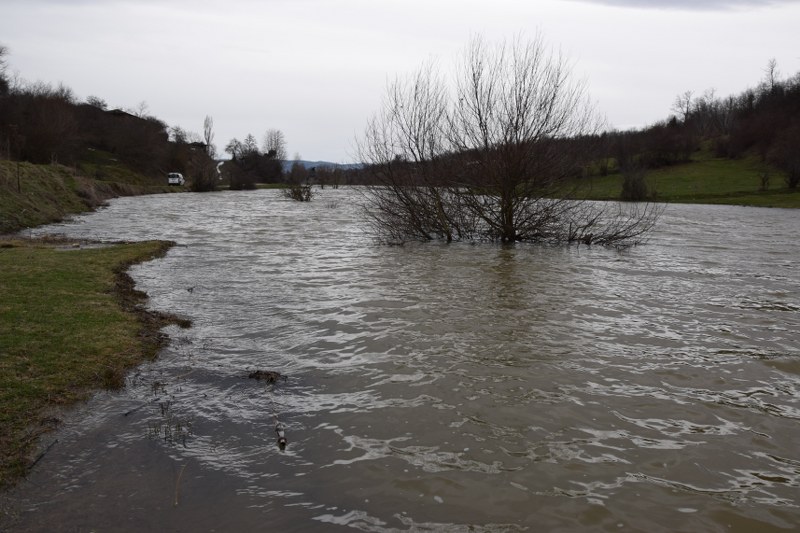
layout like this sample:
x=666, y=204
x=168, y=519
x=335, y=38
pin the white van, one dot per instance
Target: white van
x=175, y=178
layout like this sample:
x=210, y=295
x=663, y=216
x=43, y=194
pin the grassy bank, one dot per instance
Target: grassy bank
x=31, y=195
x=70, y=322
x=706, y=180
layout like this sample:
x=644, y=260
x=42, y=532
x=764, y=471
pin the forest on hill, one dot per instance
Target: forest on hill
x=763, y=122
x=42, y=123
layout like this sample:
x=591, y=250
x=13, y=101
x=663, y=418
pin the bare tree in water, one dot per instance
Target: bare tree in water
x=494, y=154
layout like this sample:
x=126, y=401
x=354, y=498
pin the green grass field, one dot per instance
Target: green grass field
x=705, y=180
x=69, y=324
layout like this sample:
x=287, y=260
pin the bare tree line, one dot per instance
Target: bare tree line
x=764, y=120
x=491, y=154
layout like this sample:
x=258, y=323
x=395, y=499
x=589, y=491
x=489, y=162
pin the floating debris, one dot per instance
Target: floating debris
x=41, y=455
x=178, y=483
x=145, y=404
x=280, y=429
x=270, y=376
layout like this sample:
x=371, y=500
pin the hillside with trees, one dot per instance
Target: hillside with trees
x=45, y=124
x=93, y=152
x=753, y=136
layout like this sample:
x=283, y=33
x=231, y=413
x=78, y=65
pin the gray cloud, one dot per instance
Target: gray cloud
x=694, y=5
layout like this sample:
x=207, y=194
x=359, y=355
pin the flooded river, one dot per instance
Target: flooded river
x=440, y=387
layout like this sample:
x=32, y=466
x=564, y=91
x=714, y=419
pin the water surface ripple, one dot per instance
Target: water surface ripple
x=441, y=387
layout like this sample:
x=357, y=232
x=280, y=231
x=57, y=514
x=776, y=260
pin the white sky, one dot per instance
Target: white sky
x=317, y=69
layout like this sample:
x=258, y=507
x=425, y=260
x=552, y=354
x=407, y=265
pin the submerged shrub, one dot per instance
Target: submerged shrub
x=634, y=185
x=300, y=193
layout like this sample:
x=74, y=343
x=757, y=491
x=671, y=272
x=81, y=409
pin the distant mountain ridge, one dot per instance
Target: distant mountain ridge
x=287, y=165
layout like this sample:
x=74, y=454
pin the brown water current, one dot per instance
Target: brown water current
x=440, y=387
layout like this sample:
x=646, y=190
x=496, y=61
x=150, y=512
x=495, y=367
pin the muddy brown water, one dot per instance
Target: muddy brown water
x=440, y=388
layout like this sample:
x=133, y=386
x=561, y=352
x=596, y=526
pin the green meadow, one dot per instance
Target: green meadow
x=705, y=180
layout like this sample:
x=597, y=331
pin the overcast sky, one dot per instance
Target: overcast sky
x=316, y=69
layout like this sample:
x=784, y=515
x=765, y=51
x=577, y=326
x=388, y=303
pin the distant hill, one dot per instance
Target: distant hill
x=287, y=165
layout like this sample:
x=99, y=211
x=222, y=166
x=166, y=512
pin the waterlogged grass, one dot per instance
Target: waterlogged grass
x=706, y=180
x=36, y=194
x=70, y=322
x=31, y=195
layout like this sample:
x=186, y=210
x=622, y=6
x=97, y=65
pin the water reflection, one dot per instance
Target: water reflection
x=446, y=388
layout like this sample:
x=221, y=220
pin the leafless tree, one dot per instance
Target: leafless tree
x=141, y=110
x=250, y=146
x=96, y=101
x=4, y=85
x=682, y=106
x=234, y=147
x=178, y=135
x=208, y=136
x=204, y=174
x=494, y=154
x=771, y=75
x=275, y=140
x=406, y=144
